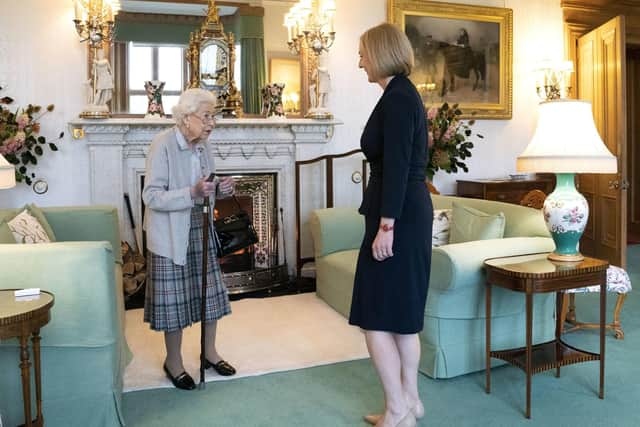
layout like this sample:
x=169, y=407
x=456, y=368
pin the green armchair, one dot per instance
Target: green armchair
x=83, y=348
x=454, y=320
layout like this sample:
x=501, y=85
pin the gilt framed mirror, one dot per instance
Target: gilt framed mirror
x=153, y=39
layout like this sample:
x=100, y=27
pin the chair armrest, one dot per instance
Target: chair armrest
x=460, y=265
x=86, y=223
x=336, y=229
x=81, y=276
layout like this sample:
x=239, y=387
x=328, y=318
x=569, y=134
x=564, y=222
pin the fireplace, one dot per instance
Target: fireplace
x=117, y=149
x=257, y=267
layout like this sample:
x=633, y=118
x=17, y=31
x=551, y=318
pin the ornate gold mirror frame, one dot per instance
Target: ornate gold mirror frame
x=220, y=79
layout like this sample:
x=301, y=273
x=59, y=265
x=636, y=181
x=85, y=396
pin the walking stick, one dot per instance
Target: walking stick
x=203, y=302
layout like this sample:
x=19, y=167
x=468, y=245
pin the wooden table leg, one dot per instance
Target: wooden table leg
x=559, y=321
x=35, y=339
x=603, y=304
x=26, y=380
x=528, y=351
x=488, y=337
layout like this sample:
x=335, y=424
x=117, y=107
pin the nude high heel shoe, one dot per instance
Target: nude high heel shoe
x=408, y=420
x=374, y=418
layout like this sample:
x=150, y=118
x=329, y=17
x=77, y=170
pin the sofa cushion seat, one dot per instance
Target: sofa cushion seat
x=337, y=283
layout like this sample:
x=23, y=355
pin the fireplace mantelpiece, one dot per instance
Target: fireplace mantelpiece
x=118, y=147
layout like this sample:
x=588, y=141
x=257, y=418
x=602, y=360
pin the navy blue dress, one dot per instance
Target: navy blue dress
x=391, y=295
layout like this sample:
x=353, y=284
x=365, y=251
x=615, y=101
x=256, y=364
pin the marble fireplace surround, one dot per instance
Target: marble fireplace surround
x=117, y=149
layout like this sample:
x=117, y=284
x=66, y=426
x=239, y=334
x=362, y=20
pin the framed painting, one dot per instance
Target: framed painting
x=463, y=54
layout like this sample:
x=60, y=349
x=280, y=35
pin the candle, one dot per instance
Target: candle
x=77, y=9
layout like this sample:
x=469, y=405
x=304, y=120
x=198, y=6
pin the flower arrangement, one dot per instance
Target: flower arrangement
x=20, y=140
x=448, y=139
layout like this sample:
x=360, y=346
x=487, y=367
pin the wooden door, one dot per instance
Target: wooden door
x=633, y=143
x=601, y=75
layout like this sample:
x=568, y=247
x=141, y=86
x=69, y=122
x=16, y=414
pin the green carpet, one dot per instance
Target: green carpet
x=338, y=395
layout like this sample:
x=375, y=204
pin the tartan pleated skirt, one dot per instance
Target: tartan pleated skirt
x=173, y=292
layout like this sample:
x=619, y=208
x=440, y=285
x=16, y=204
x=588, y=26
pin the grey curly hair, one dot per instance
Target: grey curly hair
x=190, y=101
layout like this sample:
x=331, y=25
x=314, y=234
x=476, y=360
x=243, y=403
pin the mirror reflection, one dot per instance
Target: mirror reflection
x=213, y=66
x=153, y=38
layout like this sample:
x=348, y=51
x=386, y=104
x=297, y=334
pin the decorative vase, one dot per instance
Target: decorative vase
x=566, y=212
x=154, y=94
x=272, y=100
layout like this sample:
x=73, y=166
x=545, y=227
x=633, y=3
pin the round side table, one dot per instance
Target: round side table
x=21, y=317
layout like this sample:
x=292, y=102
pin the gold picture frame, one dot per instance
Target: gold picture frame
x=463, y=53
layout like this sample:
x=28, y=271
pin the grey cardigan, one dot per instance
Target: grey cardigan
x=167, y=194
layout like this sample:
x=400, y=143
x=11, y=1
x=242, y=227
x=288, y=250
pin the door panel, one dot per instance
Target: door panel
x=601, y=79
x=633, y=142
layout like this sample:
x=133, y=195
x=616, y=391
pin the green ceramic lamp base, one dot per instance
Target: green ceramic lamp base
x=566, y=213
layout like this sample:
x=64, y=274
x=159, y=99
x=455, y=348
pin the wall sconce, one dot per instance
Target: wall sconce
x=94, y=21
x=553, y=80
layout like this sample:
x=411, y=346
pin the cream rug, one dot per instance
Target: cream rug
x=260, y=336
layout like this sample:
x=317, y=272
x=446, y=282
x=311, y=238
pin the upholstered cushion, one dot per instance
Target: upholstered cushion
x=470, y=224
x=28, y=226
x=6, y=236
x=441, y=226
x=617, y=281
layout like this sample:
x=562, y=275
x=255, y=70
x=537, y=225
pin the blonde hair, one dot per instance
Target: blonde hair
x=388, y=50
x=190, y=101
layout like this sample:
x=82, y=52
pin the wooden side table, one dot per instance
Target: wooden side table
x=533, y=274
x=502, y=190
x=21, y=318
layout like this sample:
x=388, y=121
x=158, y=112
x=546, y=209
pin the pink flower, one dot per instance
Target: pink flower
x=20, y=137
x=22, y=120
x=432, y=113
x=10, y=146
x=450, y=132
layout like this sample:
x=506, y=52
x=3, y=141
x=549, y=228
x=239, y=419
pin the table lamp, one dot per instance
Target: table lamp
x=7, y=174
x=566, y=142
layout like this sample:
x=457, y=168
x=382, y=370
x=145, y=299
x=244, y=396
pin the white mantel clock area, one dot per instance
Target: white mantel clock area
x=118, y=147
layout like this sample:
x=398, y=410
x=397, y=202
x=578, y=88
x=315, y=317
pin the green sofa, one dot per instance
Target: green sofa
x=453, y=339
x=83, y=348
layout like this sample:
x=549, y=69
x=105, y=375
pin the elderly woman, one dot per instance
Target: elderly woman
x=178, y=165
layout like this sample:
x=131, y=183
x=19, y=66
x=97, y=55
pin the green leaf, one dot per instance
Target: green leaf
x=50, y=107
x=61, y=135
x=53, y=147
x=22, y=169
x=42, y=139
x=38, y=150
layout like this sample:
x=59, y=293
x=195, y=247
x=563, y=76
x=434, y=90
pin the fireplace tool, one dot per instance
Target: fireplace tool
x=203, y=302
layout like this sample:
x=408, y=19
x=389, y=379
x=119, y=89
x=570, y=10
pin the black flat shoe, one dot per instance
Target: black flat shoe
x=182, y=381
x=222, y=367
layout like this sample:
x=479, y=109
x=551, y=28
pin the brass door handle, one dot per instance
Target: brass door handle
x=614, y=185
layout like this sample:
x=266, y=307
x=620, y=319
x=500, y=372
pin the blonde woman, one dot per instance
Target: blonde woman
x=392, y=275
x=175, y=185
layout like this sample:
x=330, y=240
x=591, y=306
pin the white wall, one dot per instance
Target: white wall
x=46, y=63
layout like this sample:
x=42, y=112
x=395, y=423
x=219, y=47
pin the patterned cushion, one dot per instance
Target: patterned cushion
x=441, y=226
x=29, y=226
x=617, y=281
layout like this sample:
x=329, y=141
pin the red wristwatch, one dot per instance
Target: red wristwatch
x=386, y=227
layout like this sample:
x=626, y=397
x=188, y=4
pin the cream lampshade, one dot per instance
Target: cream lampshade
x=566, y=142
x=7, y=174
